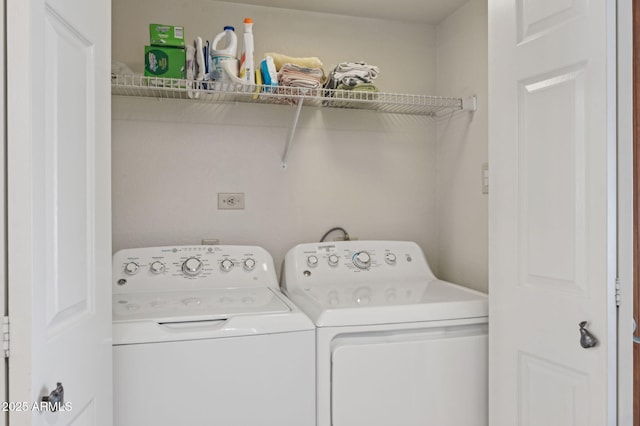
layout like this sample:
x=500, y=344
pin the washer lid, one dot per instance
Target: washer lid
x=196, y=305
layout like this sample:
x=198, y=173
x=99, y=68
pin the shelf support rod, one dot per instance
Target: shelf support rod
x=287, y=147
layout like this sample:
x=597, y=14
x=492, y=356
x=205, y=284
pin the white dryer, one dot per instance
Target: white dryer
x=395, y=345
x=202, y=335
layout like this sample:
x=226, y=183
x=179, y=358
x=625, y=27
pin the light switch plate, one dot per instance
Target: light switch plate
x=485, y=178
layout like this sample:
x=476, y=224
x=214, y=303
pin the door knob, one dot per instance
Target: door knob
x=55, y=398
x=587, y=340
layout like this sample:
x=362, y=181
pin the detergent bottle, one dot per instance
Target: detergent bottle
x=247, y=69
x=224, y=52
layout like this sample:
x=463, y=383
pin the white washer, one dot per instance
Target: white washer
x=395, y=345
x=202, y=335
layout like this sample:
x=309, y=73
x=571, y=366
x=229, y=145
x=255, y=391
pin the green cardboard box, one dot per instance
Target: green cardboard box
x=166, y=62
x=166, y=35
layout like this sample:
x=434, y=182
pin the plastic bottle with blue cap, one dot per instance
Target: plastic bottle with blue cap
x=220, y=53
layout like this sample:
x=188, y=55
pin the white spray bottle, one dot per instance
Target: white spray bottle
x=247, y=69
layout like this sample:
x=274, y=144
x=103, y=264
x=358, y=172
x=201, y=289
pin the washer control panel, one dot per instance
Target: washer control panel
x=196, y=267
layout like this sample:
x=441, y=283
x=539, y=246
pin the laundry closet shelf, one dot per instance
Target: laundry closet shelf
x=222, y=92
x=217, y=92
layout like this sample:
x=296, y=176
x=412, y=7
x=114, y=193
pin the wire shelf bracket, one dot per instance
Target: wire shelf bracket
x=292, y=132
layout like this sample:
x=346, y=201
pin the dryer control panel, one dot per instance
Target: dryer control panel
x=349, y=262
x=192, y=268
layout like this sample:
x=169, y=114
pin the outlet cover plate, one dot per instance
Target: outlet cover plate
x=230, y=200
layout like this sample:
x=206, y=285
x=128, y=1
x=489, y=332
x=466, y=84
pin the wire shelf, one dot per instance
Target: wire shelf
x=219, y=92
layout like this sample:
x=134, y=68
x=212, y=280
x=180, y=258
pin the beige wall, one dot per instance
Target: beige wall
x=374, y=174
x=462, y=148
x=404, y=52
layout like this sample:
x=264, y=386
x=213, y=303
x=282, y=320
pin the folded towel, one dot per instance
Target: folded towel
x=280, y=59
x=350, y=74
x=307, y=80
x=297, y=76
x=345, y=96
x=361, y=87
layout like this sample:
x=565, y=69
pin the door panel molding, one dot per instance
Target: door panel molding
x=541, y=404
x=69, y=142
x=552, y=199
x=536, y=18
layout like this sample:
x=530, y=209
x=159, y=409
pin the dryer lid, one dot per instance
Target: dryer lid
x=367, y=304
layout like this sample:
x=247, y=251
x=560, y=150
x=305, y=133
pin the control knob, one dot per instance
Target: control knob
x=157, y=267
x=312, y=260
x=390, y=258
x=131, y=268
x=226, y=265
x=248, y=264
x=192, y=266
x=333, y=260
x=362, y=260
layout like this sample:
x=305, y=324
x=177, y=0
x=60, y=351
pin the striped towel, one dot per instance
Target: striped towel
x=302, y=80
x=297, y=76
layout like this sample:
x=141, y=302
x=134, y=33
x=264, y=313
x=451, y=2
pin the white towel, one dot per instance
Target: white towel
x=351, y=74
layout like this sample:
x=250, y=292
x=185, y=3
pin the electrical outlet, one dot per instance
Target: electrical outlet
x=230, y=200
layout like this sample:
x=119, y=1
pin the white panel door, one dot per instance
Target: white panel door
x=59, y=209
x=552, y=212
x=3, y=211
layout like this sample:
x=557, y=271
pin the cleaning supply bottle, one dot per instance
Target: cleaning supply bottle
x=221, y=52
x=247, y=69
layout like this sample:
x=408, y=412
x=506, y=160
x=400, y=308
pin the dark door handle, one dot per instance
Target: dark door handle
x=55, y=398
x=587, y=340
